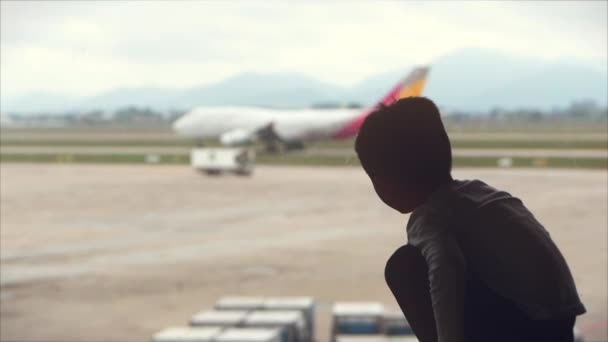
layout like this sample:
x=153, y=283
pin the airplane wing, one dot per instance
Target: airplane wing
x=239, y=137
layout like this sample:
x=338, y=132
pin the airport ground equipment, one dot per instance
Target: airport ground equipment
x=240, y=303
x=214, y=161
x=187, y=334
x=357, y=318
x=232, y=318
x=369, y=321
x=408, y=338
x=375, y=338
x=249, y=335
x=362, y=338
x=306, y=305
x=395, y=324
x=292, y=323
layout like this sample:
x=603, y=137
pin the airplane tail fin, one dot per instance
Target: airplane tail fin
x=412, y=85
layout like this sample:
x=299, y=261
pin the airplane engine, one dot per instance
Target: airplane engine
x=237, y=137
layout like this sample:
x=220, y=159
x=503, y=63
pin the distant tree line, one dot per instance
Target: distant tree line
x=579, y=110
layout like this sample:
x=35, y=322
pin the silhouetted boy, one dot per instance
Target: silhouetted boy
x=478, y=266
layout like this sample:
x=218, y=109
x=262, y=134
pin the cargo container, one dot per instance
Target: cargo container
x=187, y=334
x=403, y=338
x=356, y=318
x=231, y=318
x=306, y=305
x=395, y=324
x=249, y=335
x=291, y=323
x=361, y=338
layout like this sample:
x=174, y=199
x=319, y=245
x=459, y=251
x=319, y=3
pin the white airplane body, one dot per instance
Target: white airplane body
x=235, y=126
x=290, y=125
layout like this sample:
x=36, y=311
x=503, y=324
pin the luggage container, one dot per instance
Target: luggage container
x=361, y=338
x=215, y=318
x=240, y=303
x=187, y=334
x=249, y=335
x=291, y=323
x=306, y=305
x=404, y=338
x=357, y=318
x=395, y=324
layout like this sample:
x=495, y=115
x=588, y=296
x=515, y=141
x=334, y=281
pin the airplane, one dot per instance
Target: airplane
x=237, y=126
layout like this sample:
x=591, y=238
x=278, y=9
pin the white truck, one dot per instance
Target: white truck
x=214, y=161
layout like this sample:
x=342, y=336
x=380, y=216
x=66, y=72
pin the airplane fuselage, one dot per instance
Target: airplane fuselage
x=290, y=125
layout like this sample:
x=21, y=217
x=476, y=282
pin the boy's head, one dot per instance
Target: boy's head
x=406, y=152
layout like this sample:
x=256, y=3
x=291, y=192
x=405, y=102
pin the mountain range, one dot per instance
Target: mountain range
x=467, y=80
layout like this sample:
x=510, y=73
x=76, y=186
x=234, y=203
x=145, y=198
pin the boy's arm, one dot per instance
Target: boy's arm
x=446, y=271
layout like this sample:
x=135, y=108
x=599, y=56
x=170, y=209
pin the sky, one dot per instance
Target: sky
x=82, y=48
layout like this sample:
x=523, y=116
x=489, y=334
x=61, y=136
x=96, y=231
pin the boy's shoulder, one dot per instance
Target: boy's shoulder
x=458, y=195
x=476, y=192
x=452, y=203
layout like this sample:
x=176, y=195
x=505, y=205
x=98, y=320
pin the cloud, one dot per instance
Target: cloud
x=87, y=47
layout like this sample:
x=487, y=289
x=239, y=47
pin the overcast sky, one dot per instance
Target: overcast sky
x=85, y=47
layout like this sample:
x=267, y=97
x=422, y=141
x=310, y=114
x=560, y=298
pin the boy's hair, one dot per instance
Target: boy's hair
x=407, y=142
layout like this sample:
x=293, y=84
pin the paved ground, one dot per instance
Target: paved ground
x=115, y=253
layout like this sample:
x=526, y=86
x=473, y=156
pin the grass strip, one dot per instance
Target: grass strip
x=292, y=159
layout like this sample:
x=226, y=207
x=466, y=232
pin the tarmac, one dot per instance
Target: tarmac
x=119, y=252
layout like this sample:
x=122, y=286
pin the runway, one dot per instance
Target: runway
x=116, y=253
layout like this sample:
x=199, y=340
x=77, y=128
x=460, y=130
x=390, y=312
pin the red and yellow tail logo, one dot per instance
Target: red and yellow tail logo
x=412, y=85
